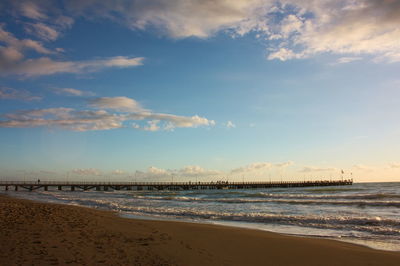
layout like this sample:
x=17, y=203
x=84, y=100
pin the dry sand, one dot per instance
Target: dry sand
x=34, y=233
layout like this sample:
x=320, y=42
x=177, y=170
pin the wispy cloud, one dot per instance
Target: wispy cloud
x=118, y=172
x=123, y=104
x=187, y=171
x=345, y=60
x=394, y=165
x=47, y=66
x=72, y=92
x=30, y=9
x=20, y=45
x=13, y=61
x=42, y=31
x=13, y=94
x=230, y=124
x=261, y=166
x=122, y=110
x=87, y=172
x=310, y=169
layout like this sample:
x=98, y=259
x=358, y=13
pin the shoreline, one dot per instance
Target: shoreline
x=53, y=234
x=288, y=230
x=254, y=226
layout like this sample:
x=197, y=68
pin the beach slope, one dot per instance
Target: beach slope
x=33, y=233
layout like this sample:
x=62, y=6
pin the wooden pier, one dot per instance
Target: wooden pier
x=109, y=186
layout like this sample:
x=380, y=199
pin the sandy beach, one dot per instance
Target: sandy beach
x=33, y=233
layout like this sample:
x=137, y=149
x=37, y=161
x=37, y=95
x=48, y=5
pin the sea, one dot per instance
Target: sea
x=363, y=213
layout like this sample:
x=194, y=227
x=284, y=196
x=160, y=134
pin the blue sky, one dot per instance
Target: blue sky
x=205, y=89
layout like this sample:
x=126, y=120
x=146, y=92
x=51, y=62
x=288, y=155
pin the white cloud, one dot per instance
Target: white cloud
x=13, y=94
x=284, y=164
x=72, y=92
x=261, y=166
x=118, y=172
x=284, y=54
x=230, y=124
x=124, y=110
x=123, y=104
x=345, y=28
x=195, y=170
x=152, y=125
x=297, y=29
x=292, y=29
x=186, y=171
x=156, y=171
x=87, y=172
x=310, y=169
x=174, y=121
x=176, y=18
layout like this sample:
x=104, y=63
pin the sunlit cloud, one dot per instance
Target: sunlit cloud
x=47, y=66
x=118, y=172
x=87, y=172
x=13, y=61
x=121, y=110
x=30, y=9
x=123, y=104
x=291, y=29
x=19, y=45
x=311, y=169
x=260, y=166
x=72, y=92
x=186, y=171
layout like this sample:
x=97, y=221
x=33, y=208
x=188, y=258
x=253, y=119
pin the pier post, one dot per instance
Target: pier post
x=16, y=188
x=30, y=188
x=46, y=188
x=59, y=188
x=6, y=188
x=105, y=188
x=72, y=188
x=97, y=188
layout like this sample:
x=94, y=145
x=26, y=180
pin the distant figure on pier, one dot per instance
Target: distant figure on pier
x=38, y=181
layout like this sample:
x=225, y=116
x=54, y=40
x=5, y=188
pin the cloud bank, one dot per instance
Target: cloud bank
x=290, y=29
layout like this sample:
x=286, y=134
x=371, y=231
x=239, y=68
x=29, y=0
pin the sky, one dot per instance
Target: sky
x=200, y=90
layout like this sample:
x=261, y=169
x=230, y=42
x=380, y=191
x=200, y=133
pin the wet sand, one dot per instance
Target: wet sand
x=33, y=233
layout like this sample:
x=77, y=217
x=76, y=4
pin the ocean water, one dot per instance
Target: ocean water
x=364, y=213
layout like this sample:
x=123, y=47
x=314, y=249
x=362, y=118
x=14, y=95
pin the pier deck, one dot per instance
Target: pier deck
x=106, y=186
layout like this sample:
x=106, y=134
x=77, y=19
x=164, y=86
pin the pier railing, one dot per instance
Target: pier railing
x=83, y=185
